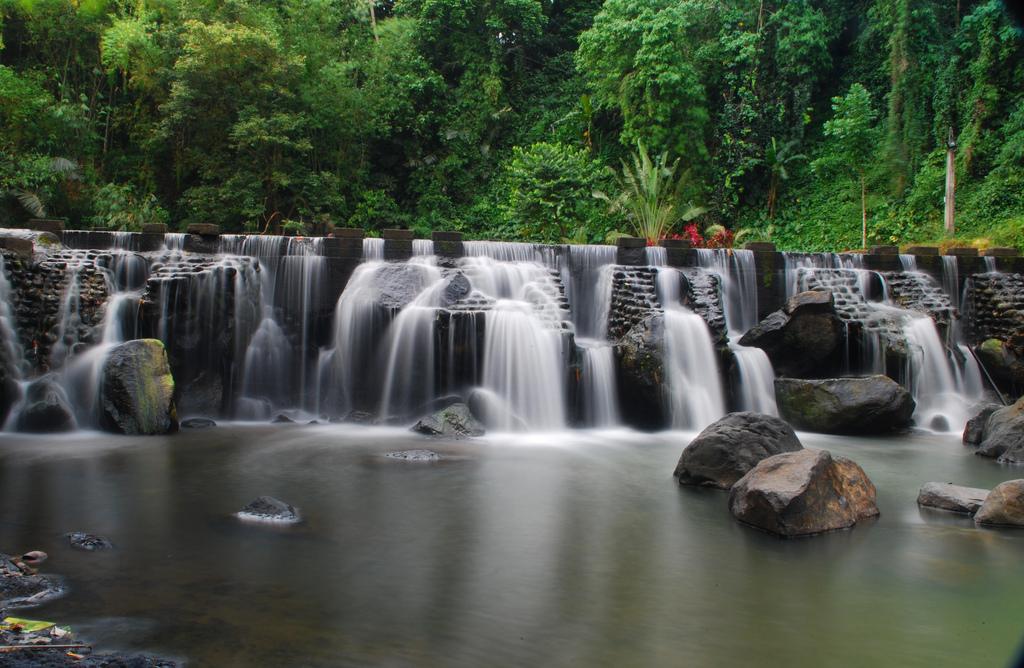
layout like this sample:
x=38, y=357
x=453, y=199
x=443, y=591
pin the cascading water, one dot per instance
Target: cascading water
x=373, y=249
x=943, y=391
x=691, y=373
x=756, y=377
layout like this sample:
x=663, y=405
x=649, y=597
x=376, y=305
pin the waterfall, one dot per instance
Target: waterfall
x=908, y=262
x=692, y=379
x=373, y=249
x=990, y=265
x=942, y=390
x=600, y=406
x=174, y=241
x=588, y=287
x=951, y=279
x=422, y=247
x=756, y=377
x=13, y=355
x=656, y=256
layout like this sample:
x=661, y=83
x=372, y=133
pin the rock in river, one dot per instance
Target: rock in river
x=269, y=509
x=947, y=496
x=137, y=395
x=455, y=421
x=198, y=423
x=414, y=455
x=868, y=405
x=974, y=431
x=1003, y=437
x=727, y=449
x=88, y=542
x=45, y=408
x=1004, y=505
x=803, y=493
x=804, y=337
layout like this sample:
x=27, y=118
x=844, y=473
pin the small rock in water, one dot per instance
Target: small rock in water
x=88, y=541
x=198, y=423
x=269, y=509
x=282, y=419
x=34, y=557
x=414, y=455
x=954, y=498
x=1004, y=505
x=939, y=423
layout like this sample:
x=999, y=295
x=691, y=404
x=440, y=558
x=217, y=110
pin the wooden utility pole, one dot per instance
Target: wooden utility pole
x=950, y=211
x=373, y=20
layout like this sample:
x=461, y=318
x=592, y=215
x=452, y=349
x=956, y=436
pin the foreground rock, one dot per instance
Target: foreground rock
x=198, y=423
x=45, y=408
x=974, y=431
x=269, y=509
x=805, y=337
x=414, y=455
x=726, y=450
x=803, y=493
x=88, y=542
x=455, y=421
x=1003, y=435
x=1004, y=505
x=21, y=586
x=954, y=498
x=137, y=395
x=869, y=405
x=1004, y=362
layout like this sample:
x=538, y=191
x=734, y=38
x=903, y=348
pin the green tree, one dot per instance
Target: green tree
x=853, y=140
x=777, y=160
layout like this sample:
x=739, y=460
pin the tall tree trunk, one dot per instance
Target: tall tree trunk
x=863, y=212
x=949, y=214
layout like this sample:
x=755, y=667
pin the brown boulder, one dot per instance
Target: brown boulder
x=1004, y=505
x=954, y=498
x=803, y=493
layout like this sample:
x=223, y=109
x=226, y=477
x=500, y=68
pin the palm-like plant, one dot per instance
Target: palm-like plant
x=776, y=159
x=32, y=200
x=650, y=195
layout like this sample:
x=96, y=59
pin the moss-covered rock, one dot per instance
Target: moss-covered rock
x=868, y=405
x=137, y=393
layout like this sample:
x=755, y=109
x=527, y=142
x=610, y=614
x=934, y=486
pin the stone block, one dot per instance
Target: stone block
x=398, y=235
x=348, y=233
x=204, y=229
x=154, y=228
x=962, y=252
x=923, y=250
x=760, y=246
x=1000, y=252
x=884, y=250
x=51, y=225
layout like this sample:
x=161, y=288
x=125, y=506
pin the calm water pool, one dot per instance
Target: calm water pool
x=576, y=548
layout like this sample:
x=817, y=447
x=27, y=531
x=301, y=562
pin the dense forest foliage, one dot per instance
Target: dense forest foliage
x=528, y=119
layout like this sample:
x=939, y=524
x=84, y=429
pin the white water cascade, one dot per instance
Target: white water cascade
x=691, y=372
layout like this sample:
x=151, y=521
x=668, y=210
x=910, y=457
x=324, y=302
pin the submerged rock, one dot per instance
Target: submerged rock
x=868, y=405
x=45, y=408
x=137, y=392
x=974, y=431
x=198, y=423
x=947, y=496
x=803, y=493
x=455, y=421
x=727, y=449
x=414, y=455
x=1004, y=505
x=804, y=337
x=20, y=586
x=87, y=541
x=360, y=417
x=1003, y=437
x=281, y=418
x=269, y=509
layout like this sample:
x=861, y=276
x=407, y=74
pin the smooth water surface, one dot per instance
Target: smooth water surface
x=576, y=548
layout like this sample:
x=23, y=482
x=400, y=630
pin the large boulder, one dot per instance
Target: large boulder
x=455, y=421
x=1004, y=505
x=269, y=509
x=137, y=391
x=45, y=408
x=803, y=493
x=869, y=405
x=954, y=498
x=803, y=338
x=1004, y=362
x=398, y=284
x=641, y=366
x=974, y=430
x=727, y=449
x=1003, y=438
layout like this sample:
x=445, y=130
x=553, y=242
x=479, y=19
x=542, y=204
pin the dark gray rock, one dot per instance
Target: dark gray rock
x=974, y=431
x=88, y=542
x=455, y=421
x=947, y=496
x=456, y=289
x=805, y=337
x=45, y=408
x=281, y=418
x=727, y=449
x=641, y=365
x=137, y=392
x=414, y=455
x=1004, y=363
x=803, y=493
x=22, y=587
x=198, y=423
x=869, y=405
x=269, y=509
x=1003, y=438
x=398, y=284
x=1004, y=505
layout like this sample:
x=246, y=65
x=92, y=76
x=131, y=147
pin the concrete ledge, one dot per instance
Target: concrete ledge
x=52, y=225
x=675, y=244
x=962, y=252
x=631, y=242
x=206, y=243
x=154, y=228
x=632, y=251
x=1000, y=252
x=759, y=246
x=204, y=229
x=884, y=250
x=348, y=233
x=398, y=235
x=18, y=246
x=923, y=250
x=446, y=236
